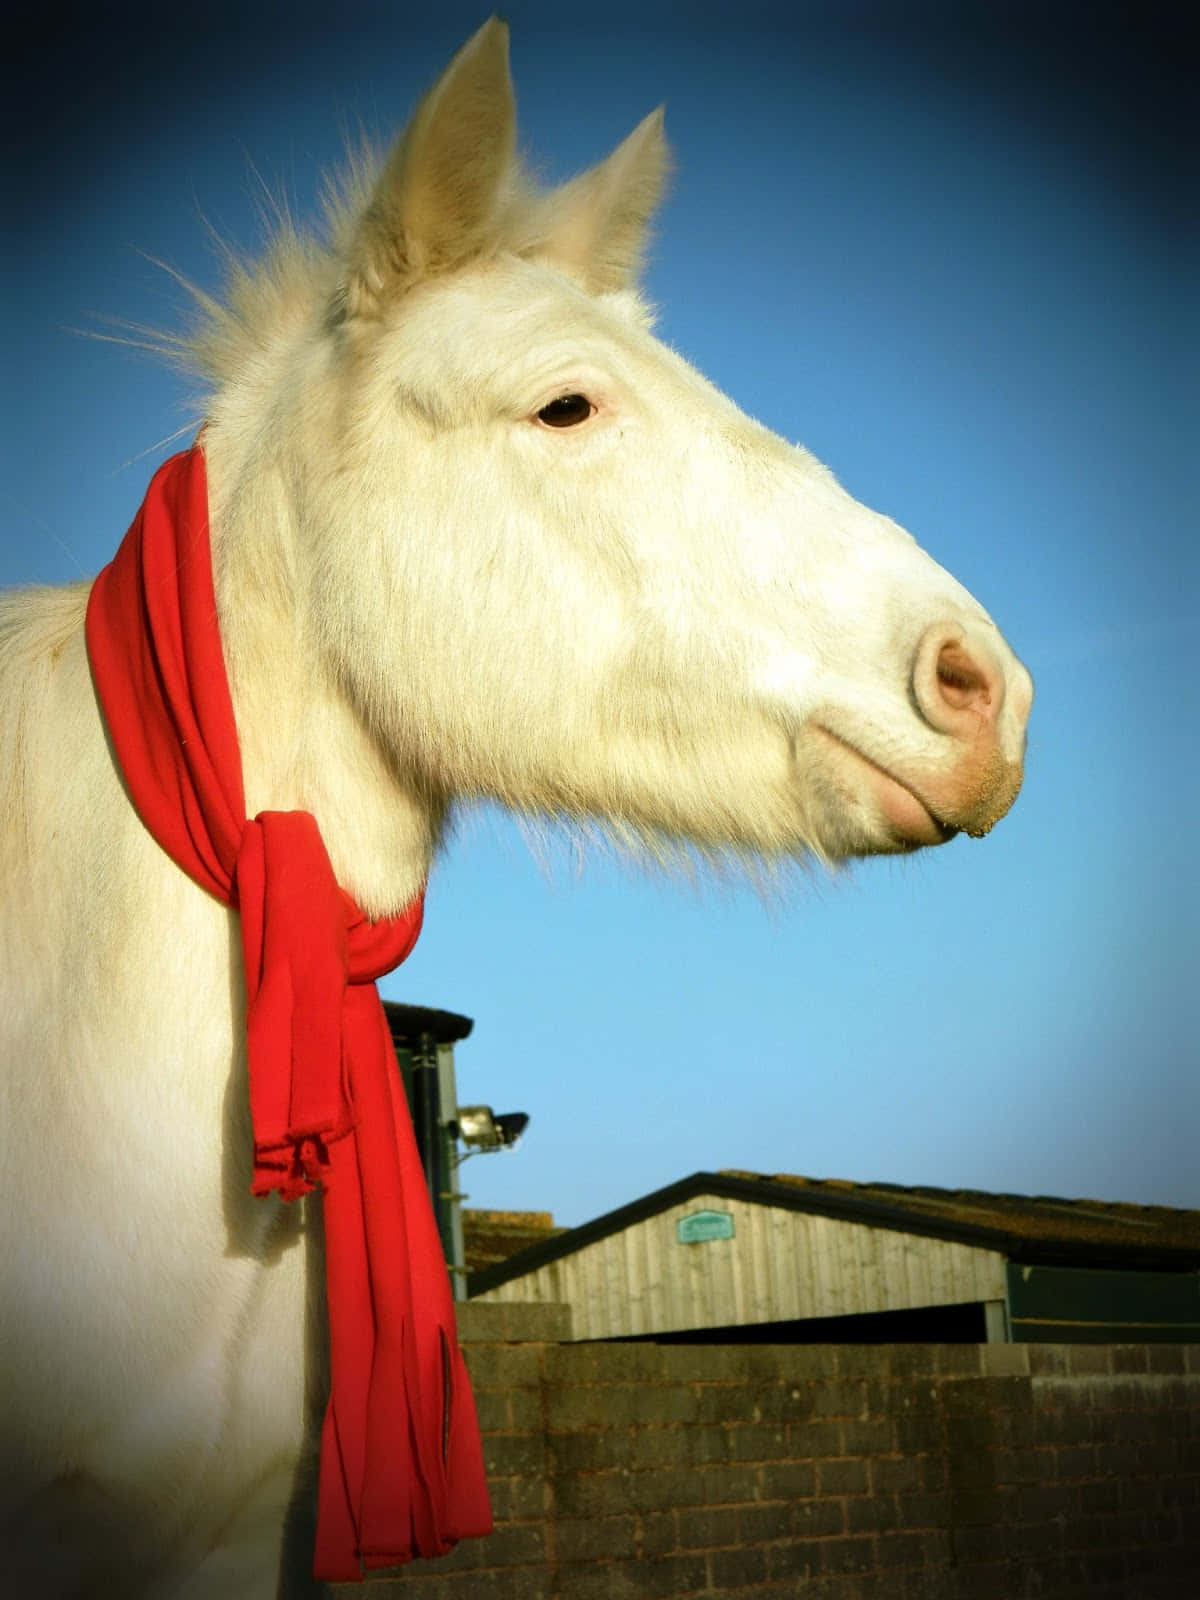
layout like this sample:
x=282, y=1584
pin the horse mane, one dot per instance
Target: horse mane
x=295, y=277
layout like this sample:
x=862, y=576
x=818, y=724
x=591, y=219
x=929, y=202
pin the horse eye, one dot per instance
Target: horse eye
x=568, y=411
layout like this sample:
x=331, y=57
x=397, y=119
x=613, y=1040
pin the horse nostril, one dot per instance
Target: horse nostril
x=959, y=685
x=962, y=682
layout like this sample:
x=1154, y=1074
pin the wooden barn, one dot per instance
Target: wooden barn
x=734, y=1256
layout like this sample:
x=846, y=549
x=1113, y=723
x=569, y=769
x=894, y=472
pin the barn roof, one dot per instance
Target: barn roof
x=490, y=1237
x=1034, y=1230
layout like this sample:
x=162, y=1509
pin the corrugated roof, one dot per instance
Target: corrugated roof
x=1034, y=1230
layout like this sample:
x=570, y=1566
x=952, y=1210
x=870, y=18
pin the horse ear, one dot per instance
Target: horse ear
x=439, y=192
x=598, y=221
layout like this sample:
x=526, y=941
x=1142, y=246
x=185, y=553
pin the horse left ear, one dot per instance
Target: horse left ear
x=598, y=222
x=437, y=199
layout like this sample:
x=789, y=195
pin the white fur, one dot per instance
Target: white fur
x=666, y=618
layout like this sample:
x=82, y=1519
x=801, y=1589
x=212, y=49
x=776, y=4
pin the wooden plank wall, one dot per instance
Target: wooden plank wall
x=778, y=1266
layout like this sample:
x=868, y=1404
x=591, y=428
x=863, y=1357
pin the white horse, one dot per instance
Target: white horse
x=476, y=532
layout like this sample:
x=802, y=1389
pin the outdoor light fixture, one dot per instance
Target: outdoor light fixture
x=486, y=1129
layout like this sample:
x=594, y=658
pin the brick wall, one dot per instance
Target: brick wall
x=849, y=1472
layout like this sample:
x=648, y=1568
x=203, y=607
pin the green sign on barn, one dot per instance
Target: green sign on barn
x=702, y=1226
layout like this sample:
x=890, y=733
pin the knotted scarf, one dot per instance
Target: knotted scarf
x=401, y=1464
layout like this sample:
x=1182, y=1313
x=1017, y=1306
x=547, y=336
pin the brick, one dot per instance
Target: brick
x=1004, y=1360
x=670, y=1447
x=843, y=1399
x=665, y=1403
x=958, y=1360
x=569, y=1408
x=1058, y=1421
x=761, y=1591
x=1018, y=1428
x=1037, y=1539
x=480, y=1320
x=1046, y=1359
x=786, y=1402
x=1041, y=1502
x=594, y=1538
x=703, y=1363
x=972, y=1467
x=918, y=1435
x=525, y=1410
x=792, y=1561
x=503, y=1365
x=842, y=1475
x=1130, y=1358
x=814, y=1439
x=468, y=1556
x=513, y=1454
x=541, y=1323
x=787, y=1480
x=976, y=1507
x=846, y=1555
x=971, y=1436
x=760, y=1524
x=601, y=1362
x=1085, y=1359
x=744, y=1566
x=997, y=1581
x=656, y=1533
x=912, y=1360
x=517, y=1499
x=1075, y=1462
x=986, y=1396
x=615, y=1405
x=818, y=1519
x=923, y=1510
x=723, y=1402
x=658, y=1490
x=492, y=1409
x=491, y=1320
x=864, y=1361
x=983, y=1543
x=520, y=1584
x=1019, y=1466
x=1162, y=1457
x=593, y=1494
x=901, y=1550
x=914, y=1399
x=731, y=1485
x=1178, y=1492
x=1100, y=1498
x=706, y=1528
x=813, y=1361
x=513, y=1544
x=894, y=1474
x=589, y=1451
x=663, y=1578
x=758, y=1442
x=1117, y=1460
x=770, y=1363
x=869, y=1513
x=868, y=1437
x=1166, y=1358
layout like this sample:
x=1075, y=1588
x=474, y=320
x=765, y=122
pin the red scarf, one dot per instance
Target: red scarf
x=401, y=1463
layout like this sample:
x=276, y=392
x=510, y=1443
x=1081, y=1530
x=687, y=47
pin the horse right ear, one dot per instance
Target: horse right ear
x=437, y=200
x=597, y=223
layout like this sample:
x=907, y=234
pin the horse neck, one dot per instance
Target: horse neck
x=303, y=746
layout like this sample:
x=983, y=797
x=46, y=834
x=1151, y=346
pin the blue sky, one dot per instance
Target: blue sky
x=946, y=249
